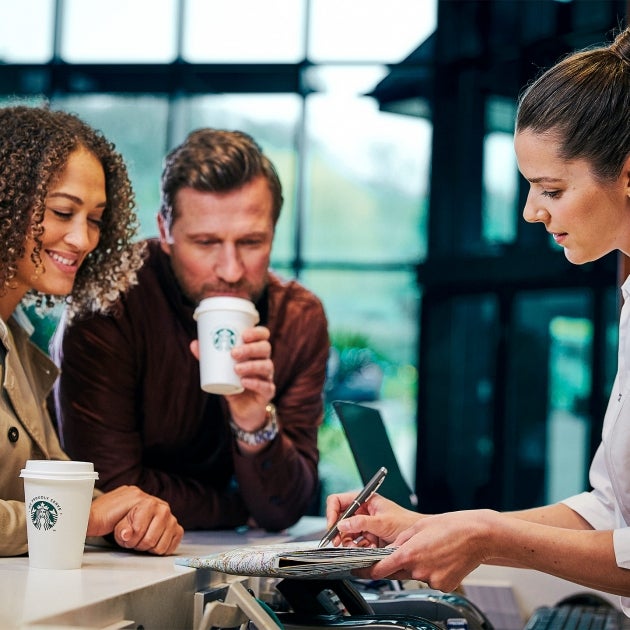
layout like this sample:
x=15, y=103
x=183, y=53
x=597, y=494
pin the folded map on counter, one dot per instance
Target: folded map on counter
x=290, y=560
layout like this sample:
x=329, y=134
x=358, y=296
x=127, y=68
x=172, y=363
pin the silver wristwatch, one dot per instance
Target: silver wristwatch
x=265, y=434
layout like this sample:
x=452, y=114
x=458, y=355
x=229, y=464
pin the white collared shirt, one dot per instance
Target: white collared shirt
x=607, y=505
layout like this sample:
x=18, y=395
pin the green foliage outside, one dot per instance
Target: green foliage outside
x=338, y=471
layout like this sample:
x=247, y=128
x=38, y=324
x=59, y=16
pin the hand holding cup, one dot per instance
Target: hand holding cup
x=220, y=323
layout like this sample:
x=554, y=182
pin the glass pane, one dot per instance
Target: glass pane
x=379, y=307
x=549, y=386
x=500, y=188
x=119, y=30
x=500, y=211
x=366, y=182
x=458, y=392
x=272, y=120
x=26, y=31
x=346, y=80
x=244, y=31
x=570, y=387
x=373, y=324
x=137, y=126
x=370, y=30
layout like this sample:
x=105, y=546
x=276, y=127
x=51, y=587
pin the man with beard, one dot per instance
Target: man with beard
x=129, y=397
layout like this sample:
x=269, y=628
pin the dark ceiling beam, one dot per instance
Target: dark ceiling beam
x=513, y=269
x=57, y=77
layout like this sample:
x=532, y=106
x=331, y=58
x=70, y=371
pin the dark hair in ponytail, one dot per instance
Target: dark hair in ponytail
x=584, y=102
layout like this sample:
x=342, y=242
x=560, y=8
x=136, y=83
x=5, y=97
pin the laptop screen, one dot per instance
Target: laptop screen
x=372, y=449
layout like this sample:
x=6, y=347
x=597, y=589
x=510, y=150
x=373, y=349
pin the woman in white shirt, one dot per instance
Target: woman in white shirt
x=572, y=143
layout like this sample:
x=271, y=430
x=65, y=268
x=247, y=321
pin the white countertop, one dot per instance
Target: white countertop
x=116, y=589
x=114, y=585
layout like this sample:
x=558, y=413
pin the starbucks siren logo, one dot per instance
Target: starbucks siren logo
x=223, y=339
x=44, y=515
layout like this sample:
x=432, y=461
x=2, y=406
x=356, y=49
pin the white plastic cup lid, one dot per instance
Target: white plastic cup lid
x=51, y=467
x=227, y=304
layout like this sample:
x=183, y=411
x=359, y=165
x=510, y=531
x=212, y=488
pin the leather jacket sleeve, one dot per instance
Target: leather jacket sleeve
x=279, y=483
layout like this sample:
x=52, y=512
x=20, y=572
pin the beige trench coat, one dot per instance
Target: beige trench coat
x=26, y=430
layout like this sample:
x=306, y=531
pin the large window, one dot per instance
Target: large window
x=296, y=74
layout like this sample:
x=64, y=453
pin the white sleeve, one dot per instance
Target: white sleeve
x=598, y=508
x=598, y=505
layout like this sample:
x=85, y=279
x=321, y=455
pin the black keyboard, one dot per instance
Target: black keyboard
x=574, y=617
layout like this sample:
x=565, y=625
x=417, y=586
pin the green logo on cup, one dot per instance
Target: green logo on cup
x=223, y=339
x=44, y=515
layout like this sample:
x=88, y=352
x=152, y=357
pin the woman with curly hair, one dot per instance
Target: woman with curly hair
x=67, y=224
x=35, y=144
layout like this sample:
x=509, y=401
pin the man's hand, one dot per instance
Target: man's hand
x=255, y=369
x=138, y=521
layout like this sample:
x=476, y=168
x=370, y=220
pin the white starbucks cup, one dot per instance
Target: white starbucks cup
x=57, y=495
x=220, y=322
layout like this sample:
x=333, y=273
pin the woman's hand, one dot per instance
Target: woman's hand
x=377, y=522
x=440, y=550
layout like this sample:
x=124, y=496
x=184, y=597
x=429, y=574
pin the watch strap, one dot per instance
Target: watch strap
x=262, y=435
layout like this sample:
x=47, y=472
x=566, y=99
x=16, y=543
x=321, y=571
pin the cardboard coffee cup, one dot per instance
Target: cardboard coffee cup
x=220, y=322
x=58, y=495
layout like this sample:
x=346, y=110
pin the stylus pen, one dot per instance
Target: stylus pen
x=370, y=488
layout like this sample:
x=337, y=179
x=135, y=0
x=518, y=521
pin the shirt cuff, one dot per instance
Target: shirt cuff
x=621, y=544
x=592, y=510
